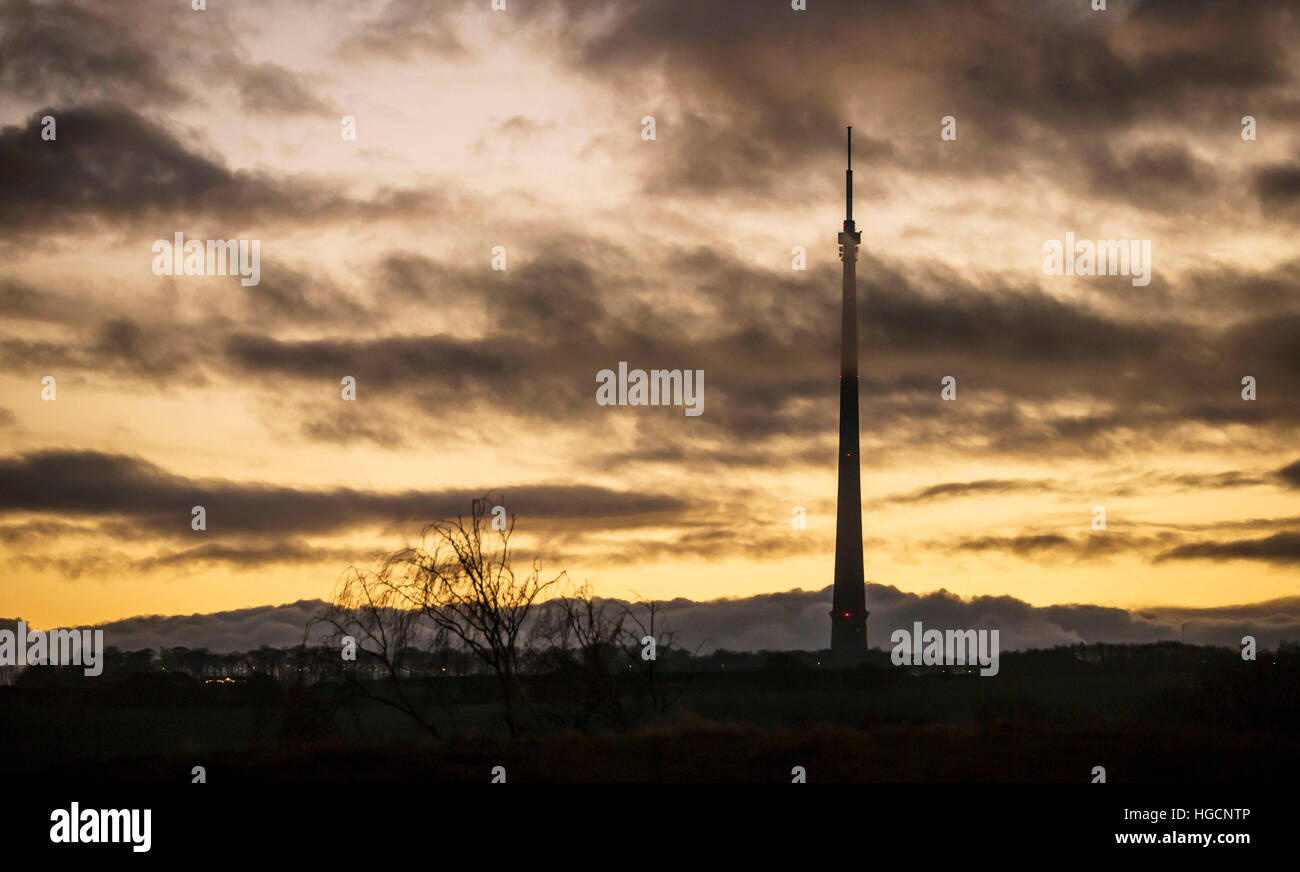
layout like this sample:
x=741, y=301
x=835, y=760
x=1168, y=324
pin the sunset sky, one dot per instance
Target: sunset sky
x=523, y=129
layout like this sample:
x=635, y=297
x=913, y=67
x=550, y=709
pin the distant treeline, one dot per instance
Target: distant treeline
x=311, y=665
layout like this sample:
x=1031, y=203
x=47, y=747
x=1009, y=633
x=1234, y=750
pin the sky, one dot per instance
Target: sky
x=524, y=131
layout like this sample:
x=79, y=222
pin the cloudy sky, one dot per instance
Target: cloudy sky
x=523, y=129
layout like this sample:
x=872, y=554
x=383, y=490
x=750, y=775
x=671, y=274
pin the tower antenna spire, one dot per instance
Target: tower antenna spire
x=848, y=185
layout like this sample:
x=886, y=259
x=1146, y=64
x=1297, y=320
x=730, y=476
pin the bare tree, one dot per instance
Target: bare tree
x=377, y=612
x=600, y=660
x=579, y=640
x=645, y=638
x=460, y=580
x=472, y=593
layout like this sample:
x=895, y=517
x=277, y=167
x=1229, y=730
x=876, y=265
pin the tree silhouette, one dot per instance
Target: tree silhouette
x=579, y=645
x=460, y=580
x=383, y=620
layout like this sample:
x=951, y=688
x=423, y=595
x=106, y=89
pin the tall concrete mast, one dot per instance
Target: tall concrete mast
x=849, y=603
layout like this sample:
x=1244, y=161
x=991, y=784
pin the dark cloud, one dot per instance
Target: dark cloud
x=19, y=300
x=72, y=52
x=382, y=361
x=406, y=29
x=555, y=321
x=1154, y=481
x=270, y=89
x=758, y=95
x=552, y=321
x=287, y=296
x=1152, y=175
x=154, y=357
x=1280, y=548
x=28, y=531
x=1231, y=294
x=106, y=160
x=1224, y=525
x=702, y=540
x=1278, y=185
x=144, y=351
x=351, y=425
x=88, y=562
x=95, y=485
x=982, y=487
x=111, y=163
x=251, y=557
x=1144, y=484
x=1291, y=474
x=1020, y=545
x=1045, y=547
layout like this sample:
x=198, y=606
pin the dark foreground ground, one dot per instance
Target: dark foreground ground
x=721, y=754
x=1155, y=714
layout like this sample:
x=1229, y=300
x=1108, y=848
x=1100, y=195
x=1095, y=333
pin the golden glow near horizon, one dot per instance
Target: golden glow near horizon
x=524, y=130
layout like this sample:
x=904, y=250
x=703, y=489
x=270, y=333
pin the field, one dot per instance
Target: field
x=1159, y=713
